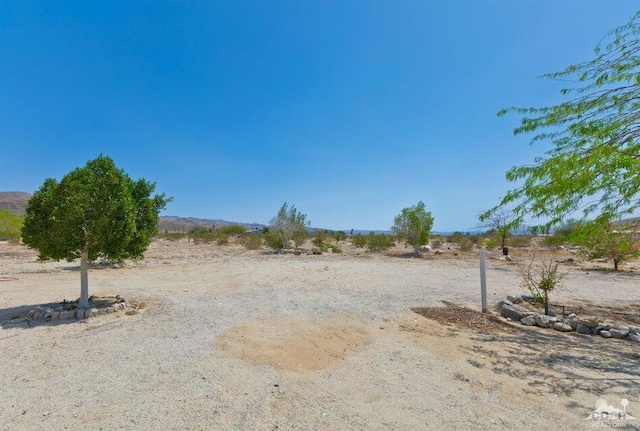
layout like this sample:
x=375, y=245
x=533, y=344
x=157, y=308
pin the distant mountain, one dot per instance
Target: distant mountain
x=14, y=202
x=185, y=224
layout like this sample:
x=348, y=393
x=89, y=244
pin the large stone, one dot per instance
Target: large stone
x=102, y=311
x=634, y=337
x=619, y=332
x=528, y=321
x=80, y=313
x=605, y=334
x=91, y=312
x=514, y=299
x=599, y=328
x=589, y=322
x=572, y=321
x=583, y=329
x=529, y=298
x=502, y=303
x=562, y=327
x=544, y=321
x=512, y=312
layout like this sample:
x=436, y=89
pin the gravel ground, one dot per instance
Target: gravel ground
x=227, y=338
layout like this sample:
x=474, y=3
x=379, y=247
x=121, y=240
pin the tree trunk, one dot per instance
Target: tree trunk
x=84, y=281
x=546, y=303
x=615, y=264
x=416, y=251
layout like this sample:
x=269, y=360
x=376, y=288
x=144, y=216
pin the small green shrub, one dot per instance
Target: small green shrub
x=222, y=239
x=10, y=226
x=436, y=242
x=359, y=241
x=273, y=240
x=252, y=242
x=377, y=242
x=232, y=230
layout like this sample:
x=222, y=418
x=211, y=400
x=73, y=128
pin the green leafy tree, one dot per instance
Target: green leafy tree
x=288, y=225
x=413, y=226
x=611, y=241
x=10, y=225
x=594, y=163
x=94, y=212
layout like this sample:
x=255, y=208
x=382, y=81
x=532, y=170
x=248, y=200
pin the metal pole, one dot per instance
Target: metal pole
x=483, y=282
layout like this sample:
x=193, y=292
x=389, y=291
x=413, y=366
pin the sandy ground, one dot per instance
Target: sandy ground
x=247, y=340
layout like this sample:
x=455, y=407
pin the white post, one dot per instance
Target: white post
x=483, y=282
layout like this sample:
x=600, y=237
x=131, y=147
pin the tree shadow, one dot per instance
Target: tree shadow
x=17, y=317
x=560, y=364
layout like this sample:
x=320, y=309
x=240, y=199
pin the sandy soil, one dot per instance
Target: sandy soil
x=227, y=338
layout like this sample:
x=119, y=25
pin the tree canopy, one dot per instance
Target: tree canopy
x=93, y=212
x=289, y=224
x=413, y=225
x=594, y=165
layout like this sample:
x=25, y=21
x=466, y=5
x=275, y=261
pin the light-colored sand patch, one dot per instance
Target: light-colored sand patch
x=300, y=345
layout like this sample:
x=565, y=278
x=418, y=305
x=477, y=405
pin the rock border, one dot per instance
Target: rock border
x=60, y=313
x=570, y=323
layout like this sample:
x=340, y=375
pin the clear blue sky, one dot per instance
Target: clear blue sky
x=351, y=110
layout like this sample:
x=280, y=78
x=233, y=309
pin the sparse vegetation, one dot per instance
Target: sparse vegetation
x=378, y=242
x=10, y=226
x=541, y=279
x=359, y=241
x=252, y=242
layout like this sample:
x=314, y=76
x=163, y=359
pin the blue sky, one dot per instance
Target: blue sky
x=350, y=110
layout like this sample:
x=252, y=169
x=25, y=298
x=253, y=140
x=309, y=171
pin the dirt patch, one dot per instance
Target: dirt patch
x=452, y=314
x=297, y=344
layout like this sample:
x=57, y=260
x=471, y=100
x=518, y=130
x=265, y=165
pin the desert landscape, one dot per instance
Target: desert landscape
x=221, y=337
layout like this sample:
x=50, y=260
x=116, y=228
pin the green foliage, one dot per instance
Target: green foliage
x=222, y=239
x=97, y=209
x=613, y=242
x=340, y=235
x=464, y=241
x=359, y=241
x=274, y=240
x=541, y=280
x=413, y=226
x=594, y=163
x=566, y=232
x=172, y=236
x=334, y=248
x=289, y=225
x=378, y=242
x=252, y=242
x=10, y=226
x=319, y=238
x=202, y=235
x=232, y=230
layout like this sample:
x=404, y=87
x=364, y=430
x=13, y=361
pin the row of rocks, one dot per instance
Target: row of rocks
x=582, y=325
x=46, y=313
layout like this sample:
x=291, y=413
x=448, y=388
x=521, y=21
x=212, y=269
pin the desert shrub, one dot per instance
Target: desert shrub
x=378, y=242
x=252, y=242
x=172, y=236
x=319, y=238
x=222, y=239
x=359, y=241
x=200, y=235
x=273, y=240
x=436, y=242
x=334, y=248
x=462, y=240
x=520, y=241
x=340, y=235
x=232, y=230
x=10, y=226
